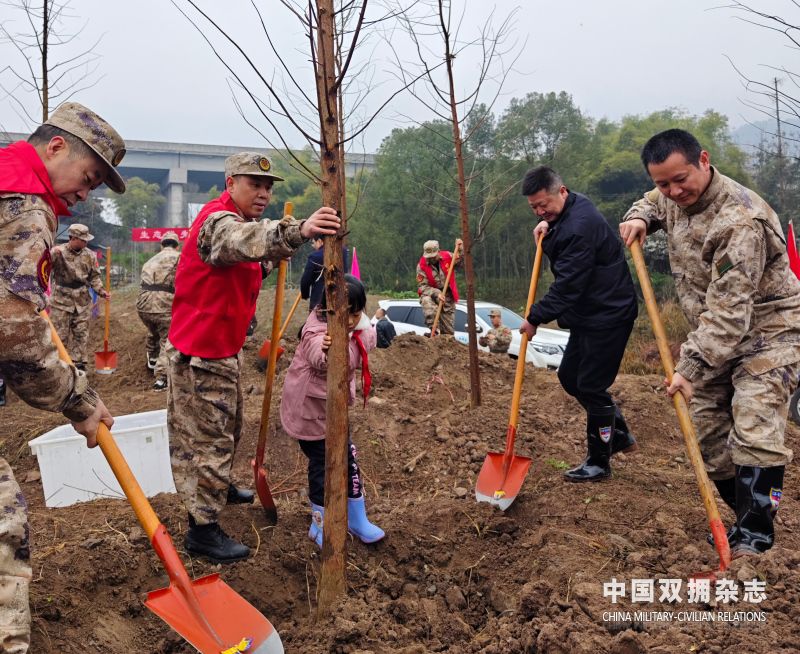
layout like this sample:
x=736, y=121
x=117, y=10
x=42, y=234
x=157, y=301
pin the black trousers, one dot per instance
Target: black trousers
x=315, y=451
x=591, y=362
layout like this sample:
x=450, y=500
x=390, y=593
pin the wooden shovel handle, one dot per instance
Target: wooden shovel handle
x=443, y=296
x=288, y=210
x=289, y=315
x=144, y=512
x=519, y=377
x=681, y=407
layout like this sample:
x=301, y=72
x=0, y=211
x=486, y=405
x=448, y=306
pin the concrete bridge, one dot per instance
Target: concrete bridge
x=186, y=172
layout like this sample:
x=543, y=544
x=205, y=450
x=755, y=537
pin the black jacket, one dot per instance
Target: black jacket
x=593, y=288
x=385, y=331
x=311, y=283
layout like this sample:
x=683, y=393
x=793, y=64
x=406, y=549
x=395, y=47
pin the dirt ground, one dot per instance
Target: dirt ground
x=452, y=575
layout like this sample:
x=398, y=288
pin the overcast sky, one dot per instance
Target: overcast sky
x=162, y=82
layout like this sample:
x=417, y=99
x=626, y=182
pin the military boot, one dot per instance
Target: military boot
x=599, y=432
x=623, y=440
x=240, y=495
x=758, y=493
x=213, y=543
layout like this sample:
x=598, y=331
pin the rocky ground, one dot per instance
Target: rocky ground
x=452, y=575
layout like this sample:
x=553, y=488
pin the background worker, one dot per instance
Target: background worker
x=498, y=338
x=154, y=305
x=432, y=271
x=75, y=271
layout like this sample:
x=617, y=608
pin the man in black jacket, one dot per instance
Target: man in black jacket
x=312, y=282
x=592, y=296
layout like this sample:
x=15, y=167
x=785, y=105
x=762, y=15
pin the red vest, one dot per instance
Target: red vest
x=445, y=259
x=213, y=305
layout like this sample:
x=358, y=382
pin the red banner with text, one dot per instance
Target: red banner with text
x=155, y=234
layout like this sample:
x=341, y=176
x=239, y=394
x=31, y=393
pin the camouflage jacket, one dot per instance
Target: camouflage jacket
x=728, y=257
x=158, y=282
x=28, y=359
x=497, y=339
x=73, y=273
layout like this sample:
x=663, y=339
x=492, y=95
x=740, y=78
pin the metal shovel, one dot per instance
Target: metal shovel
x=503, y=473
x=207, y=612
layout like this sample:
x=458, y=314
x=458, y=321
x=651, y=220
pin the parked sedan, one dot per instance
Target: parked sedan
x=545, y=351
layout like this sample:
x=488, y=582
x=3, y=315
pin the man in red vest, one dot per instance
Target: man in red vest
x=74, y=152
x=217, y=283
x=431, y=274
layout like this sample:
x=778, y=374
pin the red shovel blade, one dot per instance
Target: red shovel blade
x=497, y=488
x=264, y=351
x=264, y=494
x=231, y=620
x=105, y=362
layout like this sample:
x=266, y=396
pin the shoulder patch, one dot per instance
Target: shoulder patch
x=420, y=277
x=724, y=264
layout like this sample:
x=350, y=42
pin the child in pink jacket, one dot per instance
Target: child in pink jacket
x=303, y=408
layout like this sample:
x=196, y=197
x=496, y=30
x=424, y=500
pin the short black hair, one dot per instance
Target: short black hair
x=77, y=148
x=541, y=177
x=659, y=148
x=356, y=295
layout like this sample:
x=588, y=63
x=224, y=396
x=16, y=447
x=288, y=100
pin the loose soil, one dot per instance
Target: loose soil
x=452, y=575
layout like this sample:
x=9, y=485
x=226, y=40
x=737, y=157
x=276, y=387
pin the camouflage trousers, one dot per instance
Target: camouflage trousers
x=204, y=420
x=740, y=417
x=15, y=566
x=429, y=306
x=73, y=328
x=156, y=343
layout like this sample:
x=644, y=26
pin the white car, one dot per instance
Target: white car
x=544, y=351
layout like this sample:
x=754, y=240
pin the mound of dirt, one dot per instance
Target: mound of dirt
x=452, y=575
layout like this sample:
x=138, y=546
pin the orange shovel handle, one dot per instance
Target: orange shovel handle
x=289, y=315
x=519, y=377
x=682, y=409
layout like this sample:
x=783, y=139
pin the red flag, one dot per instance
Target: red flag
x=791, y=249
x=355, y=271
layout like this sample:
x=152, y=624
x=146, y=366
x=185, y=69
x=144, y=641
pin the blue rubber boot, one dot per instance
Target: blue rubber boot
x=359, y=525
x=315, y=531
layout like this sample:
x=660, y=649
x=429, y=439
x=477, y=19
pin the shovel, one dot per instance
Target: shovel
x=105, y=362
x=682, y=409
x=260, y=474
x=207, y=612
x=502, y=474
x=443, y=294
x=263, y=353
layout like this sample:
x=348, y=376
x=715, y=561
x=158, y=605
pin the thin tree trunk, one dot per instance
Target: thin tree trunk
x=466, y=236
x=45, y=84
x=332, y=573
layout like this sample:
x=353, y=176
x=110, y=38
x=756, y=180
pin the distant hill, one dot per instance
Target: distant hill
x=750, y=135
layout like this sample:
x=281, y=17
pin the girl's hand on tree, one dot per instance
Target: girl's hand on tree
x=326, y=343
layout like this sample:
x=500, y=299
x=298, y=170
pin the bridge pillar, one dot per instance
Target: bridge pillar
x=176, y=204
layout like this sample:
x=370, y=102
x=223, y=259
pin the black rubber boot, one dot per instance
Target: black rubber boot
x=240, y=496
x=213, y=543
x=623, y=440
x=727, y=491
x=758, y=492
x=599, y=432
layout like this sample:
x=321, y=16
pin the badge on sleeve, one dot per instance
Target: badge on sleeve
x=43, y=268
x=724, y=264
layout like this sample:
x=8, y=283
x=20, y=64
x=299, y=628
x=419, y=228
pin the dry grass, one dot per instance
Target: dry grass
x=641, y=355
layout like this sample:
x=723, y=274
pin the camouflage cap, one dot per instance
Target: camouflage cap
x=79, y=231
x=170, y=236
x=250, y=163
x=494, y=312
x=97, y=134
x=430, y=249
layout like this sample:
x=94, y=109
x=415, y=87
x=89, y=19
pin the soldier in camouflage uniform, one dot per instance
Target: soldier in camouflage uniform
x=431, y=274
x=216, y=288
x=739, y=364
x=154, y=305
x=498, y=338
x=75, y=270
x=63, y=160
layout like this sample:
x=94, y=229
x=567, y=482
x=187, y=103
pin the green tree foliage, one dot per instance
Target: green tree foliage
x=140, y=205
